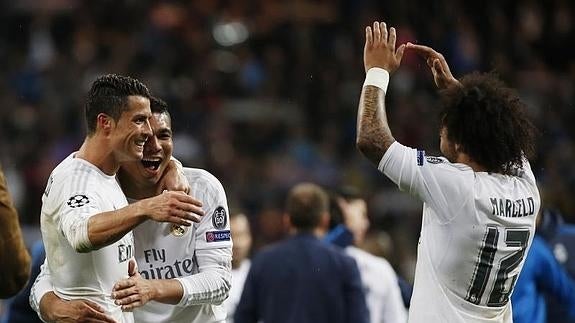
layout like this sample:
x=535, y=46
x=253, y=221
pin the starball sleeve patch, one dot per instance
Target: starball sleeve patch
x=220, y=218
x=78, y=200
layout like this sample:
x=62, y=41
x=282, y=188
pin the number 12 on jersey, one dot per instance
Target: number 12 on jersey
x=499, y=294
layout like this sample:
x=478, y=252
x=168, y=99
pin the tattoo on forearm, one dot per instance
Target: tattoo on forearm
x=373, y=134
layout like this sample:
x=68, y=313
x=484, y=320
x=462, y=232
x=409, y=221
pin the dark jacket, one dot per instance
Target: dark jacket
x=300, y=280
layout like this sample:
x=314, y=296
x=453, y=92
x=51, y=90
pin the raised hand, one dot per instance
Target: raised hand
x=174, y=207
x=379, y=50
x=438, y=65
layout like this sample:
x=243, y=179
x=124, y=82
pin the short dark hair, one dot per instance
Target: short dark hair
x=158, y=105
x=305, y=204
x=109, y=94
x=489, y=121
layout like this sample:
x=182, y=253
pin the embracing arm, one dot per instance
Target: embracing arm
x=380, y=58
x=210, y=286
x=87, y=232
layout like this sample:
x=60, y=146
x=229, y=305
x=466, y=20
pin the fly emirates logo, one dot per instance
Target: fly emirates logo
x=155, y=266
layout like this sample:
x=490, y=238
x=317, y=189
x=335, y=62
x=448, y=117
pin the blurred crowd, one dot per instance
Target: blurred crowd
x=263, y=94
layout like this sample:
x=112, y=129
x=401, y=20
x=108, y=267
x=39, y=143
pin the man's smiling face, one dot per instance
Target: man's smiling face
x=157, y=152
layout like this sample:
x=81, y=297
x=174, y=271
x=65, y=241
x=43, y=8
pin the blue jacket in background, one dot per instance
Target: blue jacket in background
x=541, y=275
x=302, y=280
x=561, y=238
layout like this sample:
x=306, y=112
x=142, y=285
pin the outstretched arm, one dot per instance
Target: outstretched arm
x=380, y=59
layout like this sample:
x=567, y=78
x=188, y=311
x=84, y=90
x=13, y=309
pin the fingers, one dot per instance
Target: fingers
x=376, y=33
x=93, y=312
x=399, y=52
x=423, y=50
x=94, y=306
x=383, y=28
x=368, y=37
x=392, y=37
x=132, y=267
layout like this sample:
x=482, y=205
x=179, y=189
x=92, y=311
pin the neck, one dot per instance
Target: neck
x=95, y=150
x=465, y=159
x=133, y=189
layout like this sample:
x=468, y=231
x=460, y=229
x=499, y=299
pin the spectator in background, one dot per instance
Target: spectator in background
x=242, y=237
x=561, y=239
x=380, y=283
x=14, y=258
x=18, y=308
x=302, y=279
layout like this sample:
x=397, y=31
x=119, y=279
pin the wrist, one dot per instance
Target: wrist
x=378, y=77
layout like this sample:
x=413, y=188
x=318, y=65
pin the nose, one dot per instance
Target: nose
x=147, y=129
x=152, y=144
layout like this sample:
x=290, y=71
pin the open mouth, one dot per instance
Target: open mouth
x=151, y=164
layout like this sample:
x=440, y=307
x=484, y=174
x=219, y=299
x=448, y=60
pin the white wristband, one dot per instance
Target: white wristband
x=377, y=77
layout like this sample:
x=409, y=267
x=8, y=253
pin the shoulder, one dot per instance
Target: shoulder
x=201, y=179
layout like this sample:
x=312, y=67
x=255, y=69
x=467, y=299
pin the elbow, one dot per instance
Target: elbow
x=82, y=246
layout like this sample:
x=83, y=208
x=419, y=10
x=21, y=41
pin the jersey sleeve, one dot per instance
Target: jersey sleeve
x=434, y=180
x=74, y=209
x=213, y=282
x=213, y=231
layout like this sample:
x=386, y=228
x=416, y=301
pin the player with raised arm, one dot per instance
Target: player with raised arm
x=184, y=272
x=480, y=201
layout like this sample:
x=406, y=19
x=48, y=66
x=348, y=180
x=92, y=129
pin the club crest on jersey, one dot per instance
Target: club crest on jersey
x=219, y=218
x=78, y=201
x=177, y=230
x=216, y=236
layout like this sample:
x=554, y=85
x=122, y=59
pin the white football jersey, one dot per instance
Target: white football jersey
x=476, y=230
x=382, y=293
x=77, y=190
x=197, y=254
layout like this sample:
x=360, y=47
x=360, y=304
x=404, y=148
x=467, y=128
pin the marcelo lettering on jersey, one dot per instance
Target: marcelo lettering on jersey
x=158, y=269
x=512, y=209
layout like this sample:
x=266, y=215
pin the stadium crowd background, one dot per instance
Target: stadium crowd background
x=264, y=93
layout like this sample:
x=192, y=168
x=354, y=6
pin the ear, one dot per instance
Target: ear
x=104, y=122
x=324, y=220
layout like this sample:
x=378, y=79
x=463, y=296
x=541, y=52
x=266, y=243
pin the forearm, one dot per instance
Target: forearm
x=167, y=291
x=373, y=133
x=108, y=227
x=15, y=258
x=48, y=307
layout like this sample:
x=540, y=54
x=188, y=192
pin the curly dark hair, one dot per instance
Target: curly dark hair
x=109, y=95
x=488, y=120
